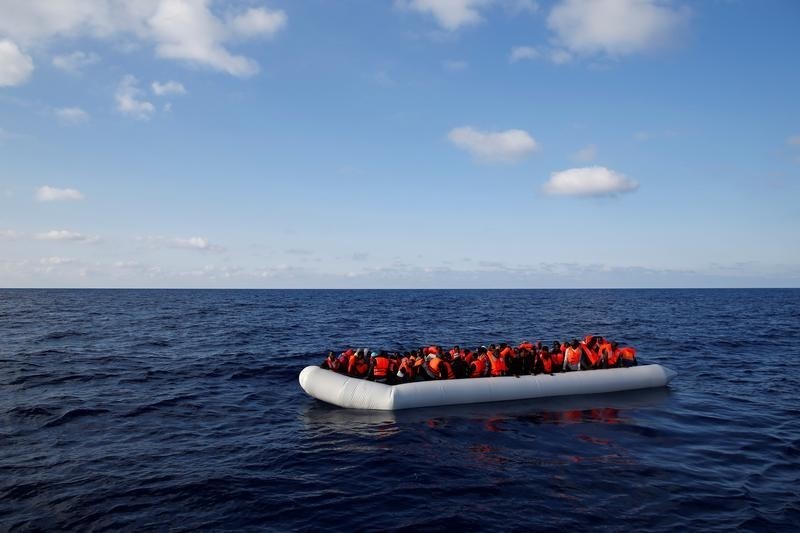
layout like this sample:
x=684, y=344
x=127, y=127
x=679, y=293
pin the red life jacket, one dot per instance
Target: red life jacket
x=526, y=346
x=380, y=367
x=557, y=358
x=608, y=354
x=506, y=351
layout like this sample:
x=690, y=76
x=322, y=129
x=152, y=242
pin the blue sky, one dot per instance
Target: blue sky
x=414, y=143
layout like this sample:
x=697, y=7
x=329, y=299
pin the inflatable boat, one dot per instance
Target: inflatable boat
x=356, y=393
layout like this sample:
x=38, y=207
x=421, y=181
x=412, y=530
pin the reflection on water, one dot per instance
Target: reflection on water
x=603, y=408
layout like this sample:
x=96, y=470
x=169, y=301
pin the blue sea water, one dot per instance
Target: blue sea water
x=181, y=410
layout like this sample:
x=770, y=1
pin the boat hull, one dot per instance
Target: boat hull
x=356, y=393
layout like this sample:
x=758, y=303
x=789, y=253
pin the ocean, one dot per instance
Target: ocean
x=181, y=410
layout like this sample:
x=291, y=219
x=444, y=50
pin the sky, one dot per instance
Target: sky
x=399, y=143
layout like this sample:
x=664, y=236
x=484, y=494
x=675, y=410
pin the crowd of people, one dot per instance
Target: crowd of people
x=434, y=362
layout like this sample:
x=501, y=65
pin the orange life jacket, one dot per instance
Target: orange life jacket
x=448, y=368
x=608, y=354
x=526, y=346
x=498, y=365
x=477, y=367
x=357, y=367
x=557, y=358
x=380, y=367
x=333, y=364
x=592, y=355
x=407, y=368
x=573, y=356
x=506, y=351
x=547, y=363
x=627, y=353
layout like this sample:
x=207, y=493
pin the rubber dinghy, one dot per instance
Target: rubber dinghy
x=356, y=393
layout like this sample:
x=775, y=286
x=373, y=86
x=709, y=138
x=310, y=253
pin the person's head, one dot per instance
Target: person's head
x=545, y=350
x=575, y=343
x=614, y=345
x=331, y=355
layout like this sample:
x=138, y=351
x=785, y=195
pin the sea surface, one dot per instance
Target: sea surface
x=181, y=410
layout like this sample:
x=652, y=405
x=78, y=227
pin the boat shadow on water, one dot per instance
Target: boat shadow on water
x=604, y=408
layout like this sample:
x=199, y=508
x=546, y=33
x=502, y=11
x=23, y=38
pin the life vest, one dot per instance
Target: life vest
x=557, y=358
x=357, y=367
x=333, y=364
x=498, y=365
x=434, y=365
x=607, y=353
x=593, y=356
x=448, y=368
x=433, y=350
x=380, y=367
x=477, y=368
x=627, y=353
x=573, y=356
x=526, y=346
x=547, y=363
x=506, y=351
x=406, y=368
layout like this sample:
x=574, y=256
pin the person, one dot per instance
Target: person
x=460, y=367
x=545, y=362
x=606, y=353
x=478, y=368
x=332, y=363
x=572, y=357
x=380, y=368
x=590, y=359
x=557, y=357
x=497, y=364
x=357, y=366
x=438, y=368
x=627, y=357
x=406, y=372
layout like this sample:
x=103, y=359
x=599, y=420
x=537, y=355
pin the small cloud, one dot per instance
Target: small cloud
x=588, y=181
x=614, y=28
x=450, y=14
x=520, y=53
x=170, y=87
x=128, y=102
x=794, y=140
x=55, y=261
x=75, y=62
x=258, y=22
x=503, y=146
x=65, y=235
x=71, y=115
x=586, y=154
x=15, y=66
x=53, y=194
x=559, y=56
x=192, y=243
x=452, y=65
x=8, y=234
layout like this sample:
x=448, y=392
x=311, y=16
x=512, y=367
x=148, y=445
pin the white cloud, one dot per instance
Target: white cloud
x=71, y=115
x=615, y=27
x=8, y=234
x=128, y=102
x=55, y=260
x=15, y=66
x=559, y=56
x=194, y=243
x=453, y=65
x=53, y=194
x=518, y=53
x=586, y=154
x=504, y=146
x=588, y=181
x=450, y=14
x=258, y=21
x=184, y=30
x=76, y=61
x=170, y=87
x=65, y=235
